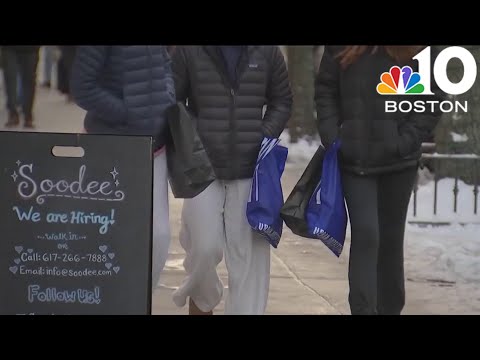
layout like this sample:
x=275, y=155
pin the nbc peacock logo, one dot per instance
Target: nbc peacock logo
x=400, y=81
x=405, y=81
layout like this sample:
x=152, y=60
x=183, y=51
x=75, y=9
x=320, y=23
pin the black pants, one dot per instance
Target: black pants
x=65, y=65
x=25, y=63
x=377, y=207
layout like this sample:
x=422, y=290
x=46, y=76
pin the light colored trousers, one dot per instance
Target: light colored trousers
x=161, y=224
x=214, y=223
x=161, y=220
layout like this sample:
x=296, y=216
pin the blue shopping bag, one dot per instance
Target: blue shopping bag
x=326, y=213
x=266, y=195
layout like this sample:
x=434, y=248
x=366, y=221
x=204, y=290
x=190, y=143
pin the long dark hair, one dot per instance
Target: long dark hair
x=400, y=53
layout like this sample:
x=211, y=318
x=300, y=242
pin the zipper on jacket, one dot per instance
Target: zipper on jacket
x=150, y=91
x=234, y=160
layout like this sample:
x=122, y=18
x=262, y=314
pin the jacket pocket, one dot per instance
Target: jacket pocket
x=408, y=143
x=348, y=143
x=390, y=139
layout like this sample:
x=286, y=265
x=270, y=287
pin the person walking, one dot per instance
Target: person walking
x=379, y=153
x=126, y=90
x=48, y=59
x=20, y=62
x=227, y=88
x=65, y=64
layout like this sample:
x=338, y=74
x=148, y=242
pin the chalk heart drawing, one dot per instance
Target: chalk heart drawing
x=108, y=265
x=19, y=249
x=16, y=261
x=30, y=251
x=116, y=269
x=102, y=248
x=111, y=255
x=13, y=269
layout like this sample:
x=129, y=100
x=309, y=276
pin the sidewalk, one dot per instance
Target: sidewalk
x=298, y=275
x=305, y=277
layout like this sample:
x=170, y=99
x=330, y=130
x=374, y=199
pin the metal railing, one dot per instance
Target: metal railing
x=454, y=160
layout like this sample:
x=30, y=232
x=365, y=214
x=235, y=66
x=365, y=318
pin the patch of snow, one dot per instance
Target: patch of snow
x=444, y=253
x=445, y=203
x=301, y=151
x=459, y=137
x=450, y=253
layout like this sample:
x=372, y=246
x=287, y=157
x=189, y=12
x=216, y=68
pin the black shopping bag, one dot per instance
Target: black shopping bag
x=189, y=168
x=76, y=232
x=293, y=211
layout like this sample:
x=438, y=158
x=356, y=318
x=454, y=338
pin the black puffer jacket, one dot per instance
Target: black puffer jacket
x=125, y=89
x=230, y=116
x=349, y=108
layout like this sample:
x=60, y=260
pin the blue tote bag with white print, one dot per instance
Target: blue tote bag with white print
x=326, y=213
x=266, y=195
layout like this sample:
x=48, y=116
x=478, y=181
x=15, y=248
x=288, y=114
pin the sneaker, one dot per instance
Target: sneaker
x=194, y=310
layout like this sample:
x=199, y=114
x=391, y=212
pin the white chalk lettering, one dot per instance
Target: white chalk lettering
x=53, y=295
x=56, y=218
x=77, y=189
x=79, y=217
x=27, y=189
x=63, y=236
x=30, y=216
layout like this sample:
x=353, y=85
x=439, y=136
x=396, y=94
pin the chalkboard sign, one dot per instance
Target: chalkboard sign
x=75, y=232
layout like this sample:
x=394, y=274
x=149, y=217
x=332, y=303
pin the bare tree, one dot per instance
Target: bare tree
x=302, y=73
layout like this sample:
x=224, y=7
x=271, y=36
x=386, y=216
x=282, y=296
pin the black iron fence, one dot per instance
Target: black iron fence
x=434, y=161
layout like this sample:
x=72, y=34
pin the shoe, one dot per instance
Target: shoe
x=13, y=120
x=29, y=122
x=194, y=310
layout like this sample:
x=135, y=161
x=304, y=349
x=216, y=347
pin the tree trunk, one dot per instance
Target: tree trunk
x=301, y=71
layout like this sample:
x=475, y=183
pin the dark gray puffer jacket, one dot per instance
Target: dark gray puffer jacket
x=350, y=109
x=125, y=89
x=230, y=115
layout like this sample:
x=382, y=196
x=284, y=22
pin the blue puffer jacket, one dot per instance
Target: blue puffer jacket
x=125, y=89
